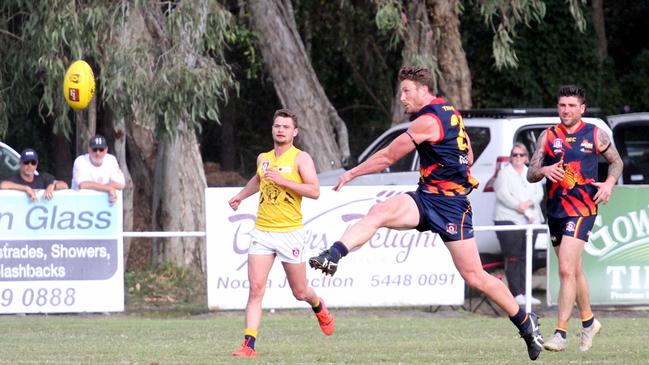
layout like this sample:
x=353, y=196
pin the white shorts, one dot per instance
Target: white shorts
x=288, y=246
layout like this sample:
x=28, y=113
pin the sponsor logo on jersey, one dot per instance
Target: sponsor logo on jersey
x=586, y=146
x=264, y=166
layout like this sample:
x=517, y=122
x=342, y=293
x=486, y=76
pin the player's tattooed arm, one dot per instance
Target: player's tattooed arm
x=610, y=153
x=534, y=172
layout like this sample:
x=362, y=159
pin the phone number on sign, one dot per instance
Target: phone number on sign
x=39, y=297
x=440, y=279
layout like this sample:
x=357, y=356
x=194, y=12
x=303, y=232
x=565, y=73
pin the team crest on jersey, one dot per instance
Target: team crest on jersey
x=264, y=166
x=586, y=146
x=296, y=252
x=557, y=145
x=570, y=227
x=451, y=228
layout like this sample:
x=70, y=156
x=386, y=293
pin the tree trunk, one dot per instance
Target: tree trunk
x=322, y=132
x=62, y=158
x=127, y=195
x=600, y=29
x=455, y=74
x=141, y=155
x=81, y=132
x=419, y=49
x=179, y=193
x=179, y=178
x=168, y=177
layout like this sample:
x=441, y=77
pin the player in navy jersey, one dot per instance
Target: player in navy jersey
x=566, y=155
x=439, y=204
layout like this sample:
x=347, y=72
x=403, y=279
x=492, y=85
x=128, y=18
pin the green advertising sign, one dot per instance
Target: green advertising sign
x=616, y=256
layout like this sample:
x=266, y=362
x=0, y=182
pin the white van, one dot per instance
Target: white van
x=9, y=161
x=493, y=133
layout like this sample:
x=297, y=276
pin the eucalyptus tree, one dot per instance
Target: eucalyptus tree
x=323, y=133
x=432, y=36
x=160, y=72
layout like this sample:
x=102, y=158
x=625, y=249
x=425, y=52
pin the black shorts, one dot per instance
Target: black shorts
x=575, y=227
x=448, y=216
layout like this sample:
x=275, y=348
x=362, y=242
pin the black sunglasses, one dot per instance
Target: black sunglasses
x=98, y=149
x=518, y=155
x=32, y=162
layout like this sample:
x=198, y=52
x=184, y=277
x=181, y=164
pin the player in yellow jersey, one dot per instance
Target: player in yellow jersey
x=284, y=175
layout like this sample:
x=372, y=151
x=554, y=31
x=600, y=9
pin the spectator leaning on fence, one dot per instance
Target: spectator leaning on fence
x=98, y=169
x=28, y=180
x=517, y=202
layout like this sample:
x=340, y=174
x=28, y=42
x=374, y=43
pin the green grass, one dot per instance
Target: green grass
x=292, y=337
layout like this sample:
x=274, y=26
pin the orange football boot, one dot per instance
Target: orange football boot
x=245, y=350
x=325, y=319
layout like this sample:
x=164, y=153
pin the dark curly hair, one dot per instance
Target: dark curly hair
x=572, y=90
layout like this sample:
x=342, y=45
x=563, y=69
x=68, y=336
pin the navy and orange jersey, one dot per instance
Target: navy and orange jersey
x=444, y=164
x=573, y=196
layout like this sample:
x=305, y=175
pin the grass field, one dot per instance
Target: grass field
x=373, y=336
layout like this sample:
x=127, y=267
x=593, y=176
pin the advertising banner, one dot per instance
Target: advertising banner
x=616, y=257
x=395, y=268
x=60, y=256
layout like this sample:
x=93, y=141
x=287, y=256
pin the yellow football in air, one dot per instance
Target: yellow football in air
x=79, y=85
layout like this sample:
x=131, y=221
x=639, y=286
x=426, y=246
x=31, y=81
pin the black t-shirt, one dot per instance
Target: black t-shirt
x=41, y=181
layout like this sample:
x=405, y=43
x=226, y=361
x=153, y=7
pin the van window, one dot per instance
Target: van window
x=632, y=141
x=528, y=136
x=480, y=137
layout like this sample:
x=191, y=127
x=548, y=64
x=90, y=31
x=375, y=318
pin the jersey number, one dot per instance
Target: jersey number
x=462, y=144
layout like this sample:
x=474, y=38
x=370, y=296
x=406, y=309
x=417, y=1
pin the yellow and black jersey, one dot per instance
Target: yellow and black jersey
x=280, y=209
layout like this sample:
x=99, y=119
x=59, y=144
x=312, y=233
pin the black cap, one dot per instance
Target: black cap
x=28, y=155
x=98, y=141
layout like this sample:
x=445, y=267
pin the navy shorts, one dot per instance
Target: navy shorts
x=575, y=227
x=448, y=216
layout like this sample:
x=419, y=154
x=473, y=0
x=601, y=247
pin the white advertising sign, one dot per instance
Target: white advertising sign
x=60, y=256
x=394, y=268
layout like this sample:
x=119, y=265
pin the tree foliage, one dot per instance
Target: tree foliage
x=155, y=86
x=553, y=53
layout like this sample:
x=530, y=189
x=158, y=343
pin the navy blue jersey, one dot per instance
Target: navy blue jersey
x=573, y=196
x=41, y=181
x=444, y=164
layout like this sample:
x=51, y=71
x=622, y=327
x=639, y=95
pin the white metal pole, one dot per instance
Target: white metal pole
x=529, y=245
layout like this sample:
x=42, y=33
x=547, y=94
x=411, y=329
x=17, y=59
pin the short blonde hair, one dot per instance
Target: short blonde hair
x=522, y=147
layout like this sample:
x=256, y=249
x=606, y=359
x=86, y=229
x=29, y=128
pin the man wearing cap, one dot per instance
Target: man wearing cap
x=28, y=180
x=98, y=170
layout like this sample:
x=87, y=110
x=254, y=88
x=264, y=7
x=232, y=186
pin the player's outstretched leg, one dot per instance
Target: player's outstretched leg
x=532, y=336
x=325, y=318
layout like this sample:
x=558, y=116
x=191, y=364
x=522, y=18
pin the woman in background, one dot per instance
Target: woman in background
x=517, y=202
